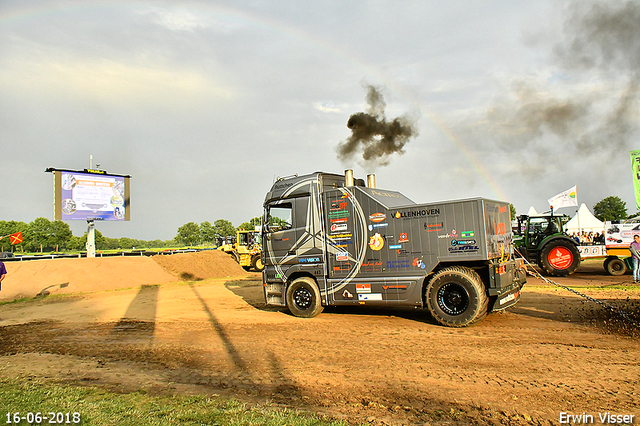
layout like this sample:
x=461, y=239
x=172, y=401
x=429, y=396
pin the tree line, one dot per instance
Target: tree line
x=45, y=235
x=191, y=233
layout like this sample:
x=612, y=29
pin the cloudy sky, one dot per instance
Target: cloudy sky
x=205, y=103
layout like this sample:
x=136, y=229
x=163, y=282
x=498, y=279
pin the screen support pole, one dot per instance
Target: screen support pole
x=91, y=238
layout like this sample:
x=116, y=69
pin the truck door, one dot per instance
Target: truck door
x=280, y=234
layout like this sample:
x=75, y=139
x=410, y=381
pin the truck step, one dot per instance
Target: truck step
x=274, y=293
x=275, y=300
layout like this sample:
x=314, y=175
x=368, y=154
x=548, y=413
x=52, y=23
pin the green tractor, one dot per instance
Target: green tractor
x=540, y=240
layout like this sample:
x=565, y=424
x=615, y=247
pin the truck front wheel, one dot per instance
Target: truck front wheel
x=456, y=297
x=303, y=298
x=559, y=258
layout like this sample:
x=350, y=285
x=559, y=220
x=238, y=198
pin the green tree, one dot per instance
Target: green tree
x=100, y=240
x=207, y=233
x=126, y=243
x=223, y=228
x=610, y=208
x=110, y=243
x=251, y=225
x=80, y=243
x=513, y=212
x=156, y=244
x=77, y=243
x=47, y=234
x=188, y=234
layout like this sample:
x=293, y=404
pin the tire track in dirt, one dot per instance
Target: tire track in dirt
x=385, y=366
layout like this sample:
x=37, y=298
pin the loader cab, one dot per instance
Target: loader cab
x=248, y=239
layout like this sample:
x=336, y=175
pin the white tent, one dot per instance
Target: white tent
x=532, y=211
x=585, y=221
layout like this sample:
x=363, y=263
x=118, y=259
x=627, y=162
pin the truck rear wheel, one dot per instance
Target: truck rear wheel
x=456, y=297
x=605, y=264
x=559, y=258
x=616, y=267
x=256, y=263
x=303, y=298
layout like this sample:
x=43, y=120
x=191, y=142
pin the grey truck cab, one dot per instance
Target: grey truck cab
x=330, y=240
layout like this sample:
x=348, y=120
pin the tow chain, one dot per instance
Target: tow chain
x=602, y=303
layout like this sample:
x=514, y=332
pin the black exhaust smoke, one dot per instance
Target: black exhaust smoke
x=373, y=135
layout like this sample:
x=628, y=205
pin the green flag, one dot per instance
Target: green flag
x=635, y=167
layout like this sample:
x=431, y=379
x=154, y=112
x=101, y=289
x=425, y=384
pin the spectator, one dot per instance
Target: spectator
x=3, y=273
x=634, y=247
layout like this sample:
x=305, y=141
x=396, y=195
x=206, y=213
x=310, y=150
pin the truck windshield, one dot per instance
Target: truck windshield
x=279, y=217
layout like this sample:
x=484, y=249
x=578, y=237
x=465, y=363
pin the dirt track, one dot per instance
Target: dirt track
x=552, y=353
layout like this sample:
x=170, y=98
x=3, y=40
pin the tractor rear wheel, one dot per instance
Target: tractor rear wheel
x=559, y=258
x=456, y=297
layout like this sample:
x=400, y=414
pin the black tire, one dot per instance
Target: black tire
x=303, y=298
x=605, y=264
x=559, y=258
x=616, y=267
x=256, y=263
x=456, y=297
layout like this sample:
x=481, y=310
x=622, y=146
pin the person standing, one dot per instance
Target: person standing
x=3, y=273
x=634, y=247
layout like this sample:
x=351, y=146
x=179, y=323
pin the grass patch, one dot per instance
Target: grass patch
x=100, y=407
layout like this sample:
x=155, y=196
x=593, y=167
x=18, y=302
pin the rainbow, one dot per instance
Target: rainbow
x=20, y=13
x=466, y=152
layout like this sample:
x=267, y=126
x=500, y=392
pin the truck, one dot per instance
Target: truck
x=332, y=240
x=541, y=240
x=618, y=236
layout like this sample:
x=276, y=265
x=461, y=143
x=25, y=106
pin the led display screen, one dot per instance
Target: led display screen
x=90, y=196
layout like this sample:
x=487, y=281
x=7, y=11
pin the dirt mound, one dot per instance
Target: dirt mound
x=43, y=277
x=51, y=276
x=201, y=265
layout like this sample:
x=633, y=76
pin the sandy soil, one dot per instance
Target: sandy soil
x=554, y=352
x=65, y=276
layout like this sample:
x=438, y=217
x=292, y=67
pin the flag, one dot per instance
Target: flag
x=15, y=238
x=567, y=198
x=635, y=168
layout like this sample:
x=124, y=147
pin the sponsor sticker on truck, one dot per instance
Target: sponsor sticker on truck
x=372, y=296
x=363, y=288
x=377, y=217
x=337, y=227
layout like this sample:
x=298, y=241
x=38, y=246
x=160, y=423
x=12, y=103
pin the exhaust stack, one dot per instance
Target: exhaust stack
x=348, y=178
x=371, y=181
